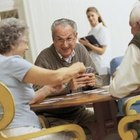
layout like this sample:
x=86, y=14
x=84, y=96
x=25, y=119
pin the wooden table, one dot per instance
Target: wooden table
x=104, y=106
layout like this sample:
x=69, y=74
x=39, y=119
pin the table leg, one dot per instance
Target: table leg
x=106, y=116
x=99, y=118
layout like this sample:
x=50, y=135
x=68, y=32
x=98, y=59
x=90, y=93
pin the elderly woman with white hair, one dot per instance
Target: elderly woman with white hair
x=127, y=76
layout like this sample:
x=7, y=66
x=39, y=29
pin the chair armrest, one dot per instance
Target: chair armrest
x=77, y=130
x=123, y=129
x=129, y=103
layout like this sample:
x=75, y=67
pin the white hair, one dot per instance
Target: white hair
x=135, y=14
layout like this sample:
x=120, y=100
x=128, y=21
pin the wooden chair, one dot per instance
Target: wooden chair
x=125, y=132
x=8, y=111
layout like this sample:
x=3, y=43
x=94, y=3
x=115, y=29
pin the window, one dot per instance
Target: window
x=8, y=14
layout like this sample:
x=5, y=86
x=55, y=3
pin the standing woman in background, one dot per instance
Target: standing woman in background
x=99, y=53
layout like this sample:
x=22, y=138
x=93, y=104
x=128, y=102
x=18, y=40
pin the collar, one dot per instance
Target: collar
x=97, y=26
x=136, y=40
x=68, y=59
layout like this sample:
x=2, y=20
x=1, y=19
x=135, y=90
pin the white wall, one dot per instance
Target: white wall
x=6, y=5
x=41, y=13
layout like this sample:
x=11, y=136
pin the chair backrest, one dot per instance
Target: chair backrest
x=114, y=63
x=7, y=112
x=7, y=107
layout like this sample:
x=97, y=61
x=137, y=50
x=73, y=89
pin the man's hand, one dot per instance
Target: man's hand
x=85, y=79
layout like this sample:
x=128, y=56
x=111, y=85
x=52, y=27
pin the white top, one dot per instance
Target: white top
x=102, y=62
x=127, y=76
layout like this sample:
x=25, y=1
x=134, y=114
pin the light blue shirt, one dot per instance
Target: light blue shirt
x=12, y=71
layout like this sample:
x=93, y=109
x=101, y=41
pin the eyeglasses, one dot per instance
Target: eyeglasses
x=68, y=40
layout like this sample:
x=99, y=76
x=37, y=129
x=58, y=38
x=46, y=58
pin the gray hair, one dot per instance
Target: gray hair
x=11, y=29
x=64, y=22
x=135, y=14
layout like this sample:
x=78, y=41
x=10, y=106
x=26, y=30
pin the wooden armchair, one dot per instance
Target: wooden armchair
x=125, y=132
x=8, y=111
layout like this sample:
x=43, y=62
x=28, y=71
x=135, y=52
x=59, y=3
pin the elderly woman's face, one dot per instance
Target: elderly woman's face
x=21, y=46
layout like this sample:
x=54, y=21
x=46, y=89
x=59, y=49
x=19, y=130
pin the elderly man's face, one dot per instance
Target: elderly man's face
x=135, y=27
x=64, y=40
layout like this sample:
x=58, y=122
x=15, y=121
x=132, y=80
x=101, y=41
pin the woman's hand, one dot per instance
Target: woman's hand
x=77, y=68
x=84, y=42
x=72, y=71
x=45, y=91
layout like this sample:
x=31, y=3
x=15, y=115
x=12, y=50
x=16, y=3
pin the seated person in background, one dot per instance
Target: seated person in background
x=18, y=75
x=99, y=52
x=127, y=76
x=62, y=53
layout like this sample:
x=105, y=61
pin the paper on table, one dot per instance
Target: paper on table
x=52, y=100
x=103, y=90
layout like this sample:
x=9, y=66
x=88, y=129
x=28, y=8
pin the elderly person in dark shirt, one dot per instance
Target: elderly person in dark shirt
x=62, y=53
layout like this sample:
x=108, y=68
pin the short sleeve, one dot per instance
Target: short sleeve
x=19, y=67
x=104, y=37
